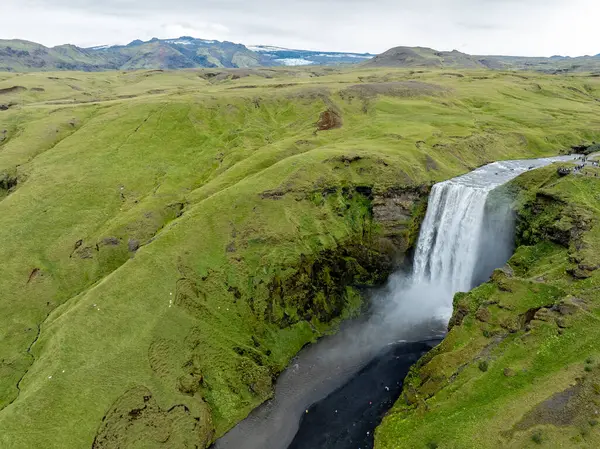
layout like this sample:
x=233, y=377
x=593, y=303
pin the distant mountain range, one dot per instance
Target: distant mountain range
x=188, y=52
x=428, y=57
x=181, y=53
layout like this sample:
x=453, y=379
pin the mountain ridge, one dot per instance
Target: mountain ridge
x=186, y=52
x=428, y=57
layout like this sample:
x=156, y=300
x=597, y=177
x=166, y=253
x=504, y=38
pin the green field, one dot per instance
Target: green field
x=169, y=241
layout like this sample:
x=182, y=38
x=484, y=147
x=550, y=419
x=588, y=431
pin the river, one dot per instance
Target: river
x=335, y=392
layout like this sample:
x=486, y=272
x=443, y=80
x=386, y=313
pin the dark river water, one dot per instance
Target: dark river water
x=348, y=381
x=348, y=417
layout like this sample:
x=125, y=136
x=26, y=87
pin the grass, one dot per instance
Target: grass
x=538, y=339
x=248, y=221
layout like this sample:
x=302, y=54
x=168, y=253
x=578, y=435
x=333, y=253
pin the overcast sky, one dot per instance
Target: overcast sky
x=515, y=27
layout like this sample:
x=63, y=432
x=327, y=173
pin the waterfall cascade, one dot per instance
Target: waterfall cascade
x=467, y=232
x=448, y=245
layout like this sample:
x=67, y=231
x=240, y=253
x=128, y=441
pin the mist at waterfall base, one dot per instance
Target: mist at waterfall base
x=467, y=233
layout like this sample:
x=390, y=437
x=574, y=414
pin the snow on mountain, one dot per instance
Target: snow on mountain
x=294, y=61
x=266, y=48
x=189, y=41
x=180, y=42
x=268, y=55
x=344, y=55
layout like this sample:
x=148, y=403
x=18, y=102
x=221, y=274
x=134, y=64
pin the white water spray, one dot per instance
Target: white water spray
x=447, y=249
x=463, y=237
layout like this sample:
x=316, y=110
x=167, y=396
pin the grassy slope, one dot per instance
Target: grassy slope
x=521, y=370
x=108, y=158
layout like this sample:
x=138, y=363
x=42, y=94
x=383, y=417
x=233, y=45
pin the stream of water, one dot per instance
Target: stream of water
x=343, y=380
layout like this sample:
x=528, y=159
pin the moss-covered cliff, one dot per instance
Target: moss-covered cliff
x=520, y=366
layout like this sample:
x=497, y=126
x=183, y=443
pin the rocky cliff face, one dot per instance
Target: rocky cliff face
x=400, y=211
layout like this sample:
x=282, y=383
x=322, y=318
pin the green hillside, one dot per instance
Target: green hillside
x=425, y=57
x=171, y=239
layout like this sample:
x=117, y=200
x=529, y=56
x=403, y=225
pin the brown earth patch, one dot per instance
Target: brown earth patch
x=311, y=93
x=250, y=86
x=85, y=253
x=34, y=273
x=329, y=119
x=273, y=194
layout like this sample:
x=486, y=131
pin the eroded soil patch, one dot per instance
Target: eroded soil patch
x=329, y=119
x=136, y=420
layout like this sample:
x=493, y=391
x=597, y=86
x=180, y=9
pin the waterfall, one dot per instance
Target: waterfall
x=447, y=249
x=468, y=232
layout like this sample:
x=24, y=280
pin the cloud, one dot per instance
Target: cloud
x=519, y=27
x=480, y=26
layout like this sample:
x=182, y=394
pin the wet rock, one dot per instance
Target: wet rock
x=578, y=273
x=460, y=312
x=400, y=211
x=507, y=270
x=566, y=309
